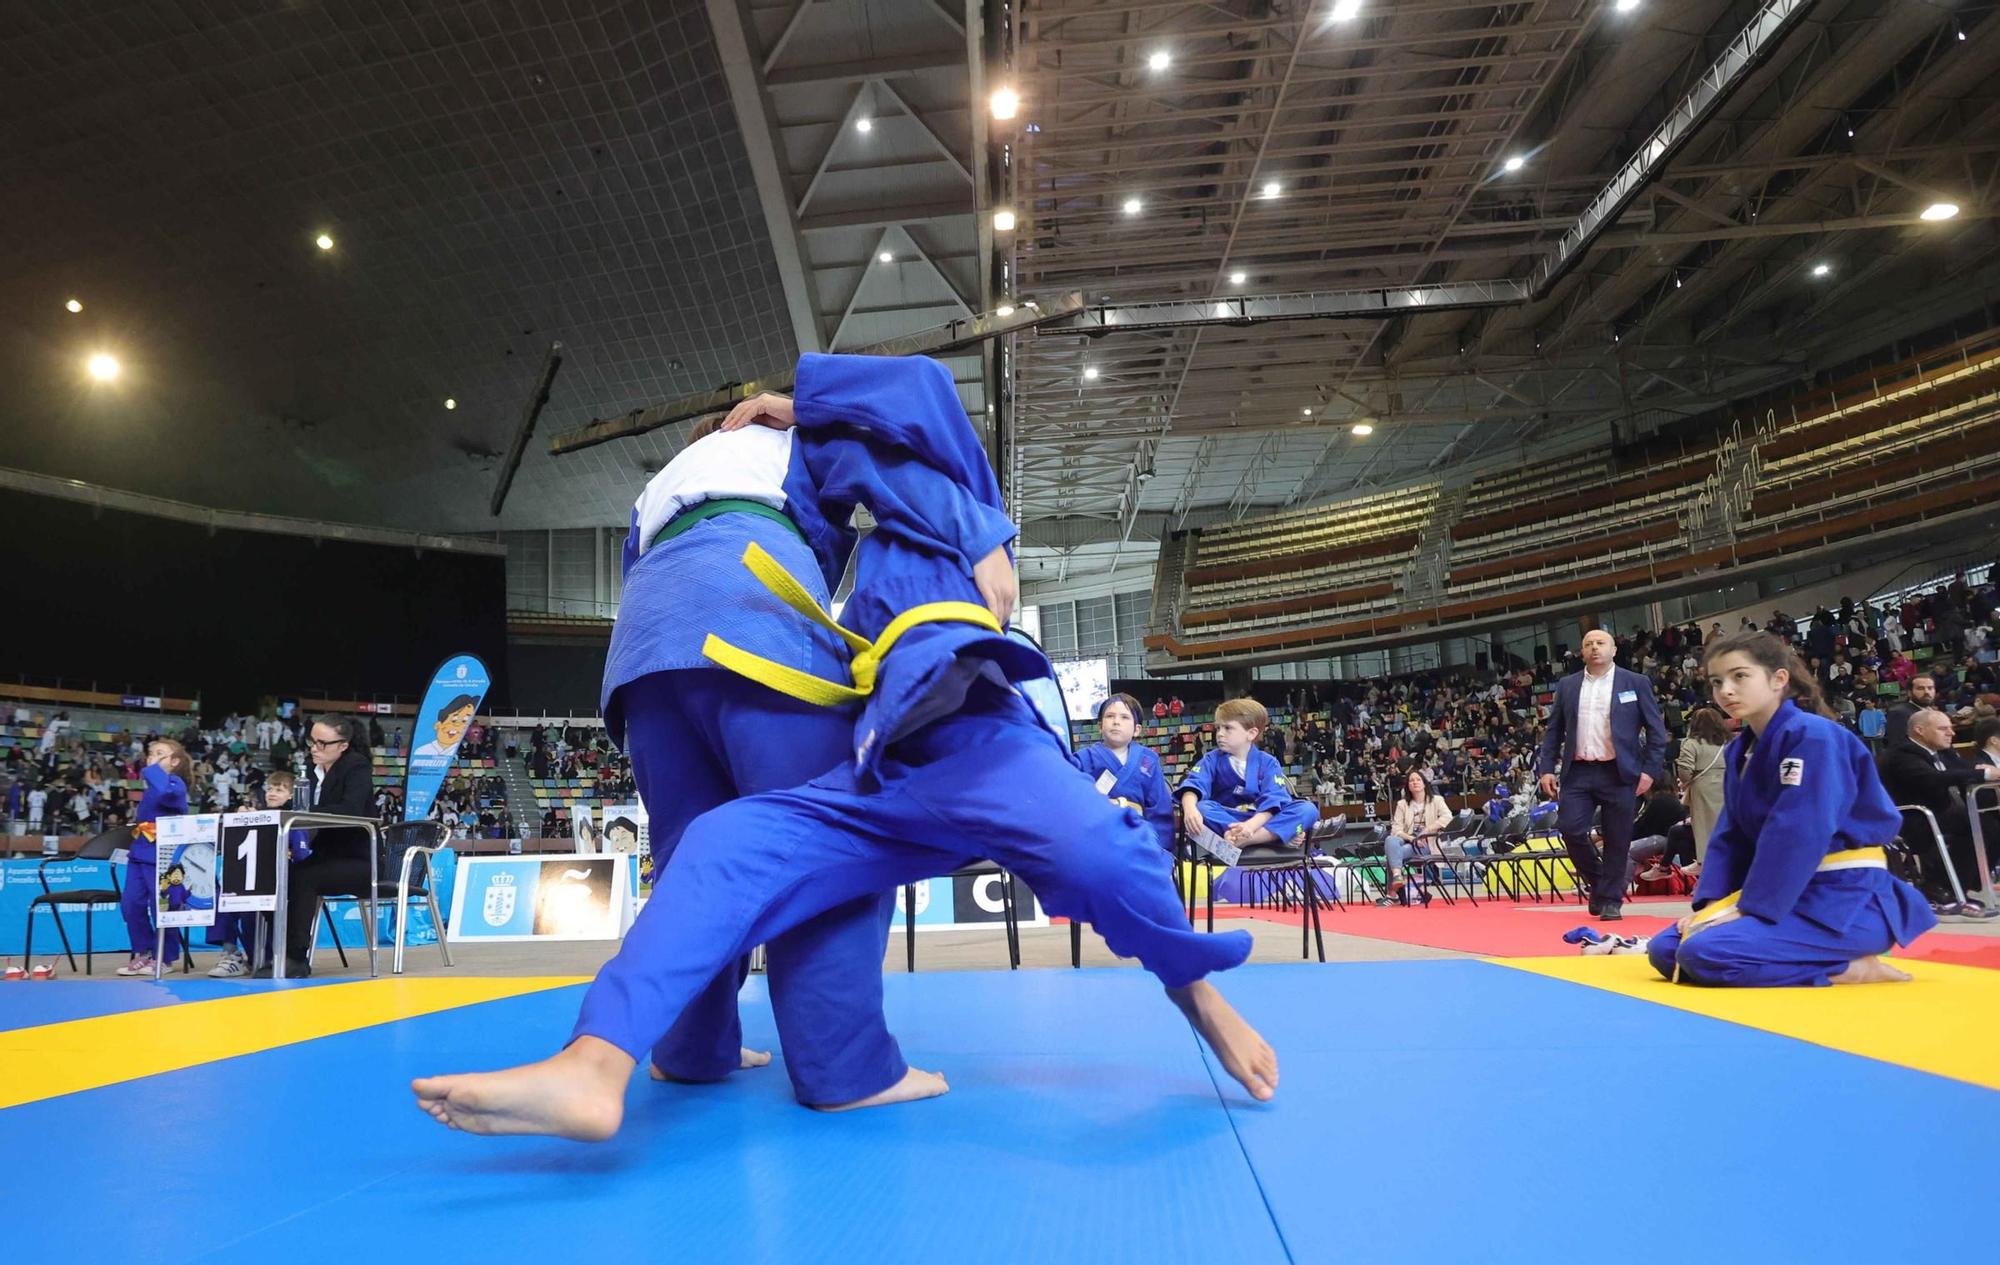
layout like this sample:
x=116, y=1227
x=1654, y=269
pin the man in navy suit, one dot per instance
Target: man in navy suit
x=1605, y=727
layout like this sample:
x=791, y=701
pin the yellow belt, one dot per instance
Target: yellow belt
x=1849, y=859
x=868, y=655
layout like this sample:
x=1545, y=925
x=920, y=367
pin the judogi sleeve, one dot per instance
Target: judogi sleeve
x=1200, y=777
x=1803, y=820
x=1160, y=805
x=890, y=433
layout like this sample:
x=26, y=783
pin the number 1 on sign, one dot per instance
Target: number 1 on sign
x=246, y=852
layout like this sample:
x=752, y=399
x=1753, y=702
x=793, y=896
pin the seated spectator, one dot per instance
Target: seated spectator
x=341, y=783
x=1419, y=815
x=1927, y=773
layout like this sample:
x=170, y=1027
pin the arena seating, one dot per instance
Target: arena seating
x=1887, y=447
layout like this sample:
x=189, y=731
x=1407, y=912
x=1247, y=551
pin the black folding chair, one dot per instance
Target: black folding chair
x=99, y=848
x=405, y=845
x=1446, y=860
x=1919, y=824
x=977, y=869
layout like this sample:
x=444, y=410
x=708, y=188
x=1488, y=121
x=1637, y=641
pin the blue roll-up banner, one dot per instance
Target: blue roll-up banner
x=457, y=689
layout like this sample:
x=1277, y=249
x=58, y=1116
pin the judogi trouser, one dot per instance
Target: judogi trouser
x=1752, y=953
x=1286, y=823
x=698, y=739
x=985, y=781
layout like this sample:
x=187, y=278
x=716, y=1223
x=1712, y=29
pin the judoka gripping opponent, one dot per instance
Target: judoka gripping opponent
x=944, y=747
x=1796, y=889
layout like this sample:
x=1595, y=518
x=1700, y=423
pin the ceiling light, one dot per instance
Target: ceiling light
x=1006, y=103
x=1345, y=10
x=1238, y=277
x=1820, y=270
x=1625, y=6
x=1363, y=428
x=1514, y=162
x=864, y=126
x=1306, y=411
x=1132, y=206
x=102, y=367
x=450, y=403
x=1003, y=221
x=1005, y=309
x=74, y=305
x=324, y=241
x=1271, y=188
x=1677, y=281
x=886, y=257
x=1158, y=61
x=1090, y=373
x=1940, y=211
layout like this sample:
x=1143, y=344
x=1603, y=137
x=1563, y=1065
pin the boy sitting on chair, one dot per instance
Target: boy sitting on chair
x=1238, y=790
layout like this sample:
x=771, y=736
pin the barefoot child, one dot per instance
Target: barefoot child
x=1238, y=789
x=1796, y=888
x=942, y=751
x=1133, y=772
x=166, y=776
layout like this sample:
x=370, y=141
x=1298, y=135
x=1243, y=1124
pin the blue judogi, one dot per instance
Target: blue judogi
x=946, y=752
x=1227, y=798
x=1795, y=799
x=1137, y=782
x=700, y=737
x=165, y=796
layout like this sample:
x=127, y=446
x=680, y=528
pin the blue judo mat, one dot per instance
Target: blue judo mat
x=1429, y=1111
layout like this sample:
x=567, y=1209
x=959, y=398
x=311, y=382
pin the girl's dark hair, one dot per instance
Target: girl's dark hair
x=1705, y=724
x=347, y=727
x=1131, y=705
x=1769, y=653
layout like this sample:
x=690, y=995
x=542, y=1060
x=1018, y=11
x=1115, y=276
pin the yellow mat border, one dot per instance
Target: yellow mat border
x=50, y=1060
x=1945, y=1021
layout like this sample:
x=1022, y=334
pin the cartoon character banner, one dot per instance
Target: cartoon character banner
x=186, y=896
x=452, y=700
x=628, y=830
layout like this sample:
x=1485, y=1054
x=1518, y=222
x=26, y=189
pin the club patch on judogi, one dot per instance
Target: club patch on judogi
x=1791, y=772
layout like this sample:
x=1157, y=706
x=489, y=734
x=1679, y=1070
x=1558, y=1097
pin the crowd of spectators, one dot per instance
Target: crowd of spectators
x=576, y=753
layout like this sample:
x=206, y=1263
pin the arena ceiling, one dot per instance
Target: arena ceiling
x=686, y=195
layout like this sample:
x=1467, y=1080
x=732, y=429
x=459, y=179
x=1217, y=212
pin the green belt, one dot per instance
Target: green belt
x=709, y=509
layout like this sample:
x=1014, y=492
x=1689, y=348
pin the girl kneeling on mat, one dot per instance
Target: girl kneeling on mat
x=1796, y=888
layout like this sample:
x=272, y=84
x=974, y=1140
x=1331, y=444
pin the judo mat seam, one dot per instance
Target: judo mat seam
x=1215, y=1075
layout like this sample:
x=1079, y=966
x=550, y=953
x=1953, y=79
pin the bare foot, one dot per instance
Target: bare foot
x=916, y=1084
x=1245, y=1055
x=1871, y=971
x=580, y=1094
x=749, y=1058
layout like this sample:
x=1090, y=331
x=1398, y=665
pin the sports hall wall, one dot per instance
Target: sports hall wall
x=167, y=608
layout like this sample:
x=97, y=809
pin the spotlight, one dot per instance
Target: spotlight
x=1005, y=309
x=1132, y=206
x=886, y=257
x=1677, y=281
x=1344, y=11
x=1363, y=428
x=450, y=403
x=1271, y=188
x=1940, y=211
x=1514, y=162
x=864, y=126
x=324, y=241
x=1625, y=6
x=1158, y=62
x=1238, y=277
x=1003, y=221
x=1006, y=103
x=1306, y=412
x=1090, y=373
x=1820, y=270
x=74, y=305
x=103, y=367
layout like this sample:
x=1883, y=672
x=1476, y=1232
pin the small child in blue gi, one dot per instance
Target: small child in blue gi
x=166, y=776
x=1796, y=889
x=1238, y=789
x=1129, y=774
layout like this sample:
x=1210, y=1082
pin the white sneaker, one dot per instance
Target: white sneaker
x=141, y=964
x=232, y=966
x=1630, y=944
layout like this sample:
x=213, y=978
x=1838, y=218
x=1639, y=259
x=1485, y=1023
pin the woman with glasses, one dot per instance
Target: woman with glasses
x=342, y=781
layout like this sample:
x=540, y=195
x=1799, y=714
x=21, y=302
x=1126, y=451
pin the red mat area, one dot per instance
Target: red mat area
x=1506, y=930
x=1501, y=930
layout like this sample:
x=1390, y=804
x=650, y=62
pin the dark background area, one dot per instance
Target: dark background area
x=132, y=604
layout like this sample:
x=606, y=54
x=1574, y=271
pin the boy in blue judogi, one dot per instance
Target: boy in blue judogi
x=1238, y=789
x=943, y=750
x=1796, y=889
x=1127, y=773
